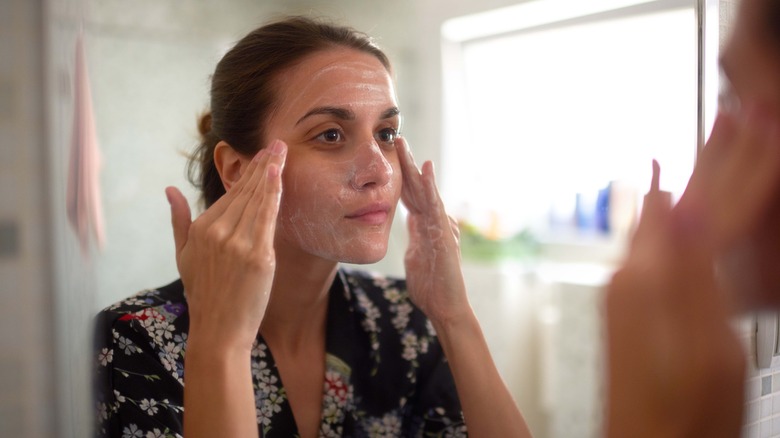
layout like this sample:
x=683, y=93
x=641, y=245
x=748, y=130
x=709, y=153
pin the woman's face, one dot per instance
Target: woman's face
x=751, y=64
x=338, y=114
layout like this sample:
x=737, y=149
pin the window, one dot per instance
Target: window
x=552, y=118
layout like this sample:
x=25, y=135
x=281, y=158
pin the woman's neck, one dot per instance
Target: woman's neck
x=297, y=310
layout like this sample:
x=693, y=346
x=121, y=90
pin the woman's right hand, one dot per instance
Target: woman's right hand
x=675, y=366
x=226, y=256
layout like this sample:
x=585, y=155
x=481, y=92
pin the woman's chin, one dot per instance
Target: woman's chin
x=365, y=256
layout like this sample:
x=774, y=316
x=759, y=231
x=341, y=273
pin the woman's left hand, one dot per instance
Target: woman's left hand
x=433, y=270
x=435, y=283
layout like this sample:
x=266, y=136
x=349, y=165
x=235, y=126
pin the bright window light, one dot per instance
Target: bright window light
x=539, y=121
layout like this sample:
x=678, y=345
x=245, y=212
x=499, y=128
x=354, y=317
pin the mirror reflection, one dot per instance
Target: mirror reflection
x=542, y=121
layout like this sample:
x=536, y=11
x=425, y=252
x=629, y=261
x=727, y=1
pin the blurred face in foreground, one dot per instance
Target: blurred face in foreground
x=750, y=63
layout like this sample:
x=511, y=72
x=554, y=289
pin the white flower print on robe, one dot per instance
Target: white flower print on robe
x=385, y=372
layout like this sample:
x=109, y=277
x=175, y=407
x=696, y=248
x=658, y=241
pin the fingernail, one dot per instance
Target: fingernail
x=277, y=147
x=168, y=197
x=655, y=182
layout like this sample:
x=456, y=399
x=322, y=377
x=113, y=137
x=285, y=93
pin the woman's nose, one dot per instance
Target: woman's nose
x=372, y=167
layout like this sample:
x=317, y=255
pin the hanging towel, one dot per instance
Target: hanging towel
x=83, y=191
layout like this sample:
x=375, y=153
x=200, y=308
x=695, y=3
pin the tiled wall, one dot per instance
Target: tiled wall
x=762, y=390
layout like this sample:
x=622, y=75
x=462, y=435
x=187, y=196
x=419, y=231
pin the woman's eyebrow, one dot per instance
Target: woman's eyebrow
x=389, y=113
x=345, y=114
x=339, y=113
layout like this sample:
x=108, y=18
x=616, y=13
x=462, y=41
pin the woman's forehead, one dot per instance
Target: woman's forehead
x=338, y=64
x=343, y=78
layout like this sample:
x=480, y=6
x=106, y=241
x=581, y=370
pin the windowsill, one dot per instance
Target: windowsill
x=581, y=247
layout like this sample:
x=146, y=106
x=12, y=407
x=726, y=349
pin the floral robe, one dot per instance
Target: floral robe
x=385, y=372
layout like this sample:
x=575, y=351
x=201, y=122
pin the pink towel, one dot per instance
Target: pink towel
x=83, y=192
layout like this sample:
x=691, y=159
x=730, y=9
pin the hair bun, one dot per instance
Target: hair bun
x=204, y=124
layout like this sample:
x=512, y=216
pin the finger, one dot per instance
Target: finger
x=655, y=182
x=455, y=227
x=412, y=190
x=259, y=217
x=408, y=166
x=412, y=183
x=433, y=201
x=181, y=217
x=269, y=209
x=656, y=202
x=429, y=184
x=655, y=211
x=245, y=182
x=225, y=220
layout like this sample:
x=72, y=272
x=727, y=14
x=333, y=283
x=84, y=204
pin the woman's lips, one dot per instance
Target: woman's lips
x=374, y=214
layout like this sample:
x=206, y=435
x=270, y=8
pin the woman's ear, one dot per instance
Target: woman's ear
x=229, y=163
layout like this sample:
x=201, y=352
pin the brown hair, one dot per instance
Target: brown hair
x=242, y=88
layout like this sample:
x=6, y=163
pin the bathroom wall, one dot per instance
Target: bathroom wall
x=26, y=384
x=45, y=292
x=72, y=273
x=762, y=390
x=150, y=65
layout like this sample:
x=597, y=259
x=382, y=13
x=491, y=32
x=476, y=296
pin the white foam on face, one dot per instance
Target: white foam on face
x=316, y=201
x=377, y=168
x=367, y=80
x=320, y=190
x=318, y=226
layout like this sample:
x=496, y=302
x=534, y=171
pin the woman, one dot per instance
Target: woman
x=301, y=167
x=676, y=368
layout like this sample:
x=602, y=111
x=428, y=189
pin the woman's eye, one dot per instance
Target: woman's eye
x=330, y=136
x=387, y=135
